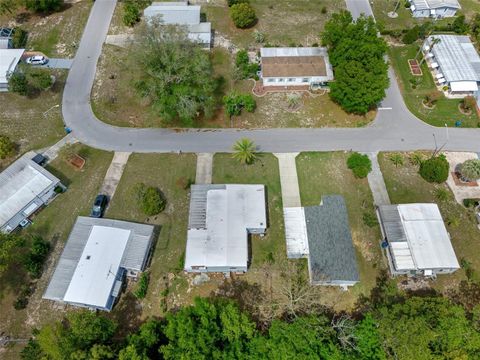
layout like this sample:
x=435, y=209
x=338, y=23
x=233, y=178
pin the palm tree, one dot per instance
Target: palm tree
x=396, y=159
x=244, y=151
x=433, y=42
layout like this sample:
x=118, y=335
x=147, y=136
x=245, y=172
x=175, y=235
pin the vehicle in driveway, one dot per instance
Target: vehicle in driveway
x=99, y=206
x=37, y=60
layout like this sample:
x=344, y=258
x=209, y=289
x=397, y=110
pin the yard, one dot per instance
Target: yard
x=326, y=174
x=415, y=88
x=405, y=185
x=405, y=20
x=53, y=223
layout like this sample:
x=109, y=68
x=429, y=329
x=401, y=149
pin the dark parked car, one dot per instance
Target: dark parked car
x=99, y=206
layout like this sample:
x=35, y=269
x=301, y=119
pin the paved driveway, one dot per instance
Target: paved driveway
x=393, y=130
x=54, y=63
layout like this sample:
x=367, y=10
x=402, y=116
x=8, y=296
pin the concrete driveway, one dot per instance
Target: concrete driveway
x=54, y=63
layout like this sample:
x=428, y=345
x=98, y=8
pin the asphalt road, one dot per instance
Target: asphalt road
x=395, y=128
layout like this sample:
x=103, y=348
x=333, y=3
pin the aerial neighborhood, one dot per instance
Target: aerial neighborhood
x=239, y=179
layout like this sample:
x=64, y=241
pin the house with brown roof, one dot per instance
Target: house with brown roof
x=295, y=67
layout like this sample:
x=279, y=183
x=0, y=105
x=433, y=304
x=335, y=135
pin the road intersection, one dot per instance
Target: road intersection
x=394, y=128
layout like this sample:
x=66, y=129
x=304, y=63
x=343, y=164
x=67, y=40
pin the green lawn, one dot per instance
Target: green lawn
x=171, y=174
x=404, y=185
x=325, y=174
x=445, y=111
x=54, y=224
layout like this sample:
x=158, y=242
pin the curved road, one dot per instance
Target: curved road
x=393, y=129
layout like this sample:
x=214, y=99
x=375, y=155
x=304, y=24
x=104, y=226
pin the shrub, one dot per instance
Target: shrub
x=243, y=15
x=468, y=103
x=435, y=169
x=142, y=287
x=369, y=219
x=416, y=158
x=19, y=38
x=243, y=68
x=230, y=3
x=259, y=37
x=441, y=194
x=7, y=147
x=459, y=25
x=131, y=13
x=470, y=203
x=22, y=300
x=43, y=5
x=432, y=98
x=151, y=200
x=470, y=169
x=411, y=35
x=324, y=10
x=396, y=159
x=35, y=259
x=39, y=79
x=235, y=102
x=359, y=164
x=17, y=83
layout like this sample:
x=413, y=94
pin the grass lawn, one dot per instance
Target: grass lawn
x=284, y=22
x=57, y=34
x=22, y=119
x=54, y=224
x=445, y=111
x=405, y=20
x=325, y=174
x=171, y=174
x=405, y=185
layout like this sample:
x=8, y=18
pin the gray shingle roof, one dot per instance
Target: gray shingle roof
x=332, y=255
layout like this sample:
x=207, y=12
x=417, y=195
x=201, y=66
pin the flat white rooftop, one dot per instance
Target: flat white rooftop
x=98, y=267
x=9, y=59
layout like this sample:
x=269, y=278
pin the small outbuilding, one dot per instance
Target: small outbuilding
x=97, y=257
x=181, y=13
x=434, y=8
x=322, y=235
x=416, y=240
x=454, y=62
x=9, y=59
x=221, y=219
x=288, y=66
x=25, y=187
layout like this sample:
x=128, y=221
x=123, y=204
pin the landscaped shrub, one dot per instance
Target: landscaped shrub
x=468, y=103
x=470, y=169
x=43, y=5
x=360, y=164
x=39, y=79
x=470, y=203
x=432, y=98
x=234, y=2
x=243, y=15
x=235, y=102
x=19, y=38
x=142, y=287
x=131, y=13
x=7, y=147
x=435, y=169
x=36, y=257
x=150, y=199
x=459, y=25
x=244, y=69
x=17, y=83
x=411, y=35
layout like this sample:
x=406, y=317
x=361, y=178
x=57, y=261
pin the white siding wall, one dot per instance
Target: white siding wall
x=296, y=81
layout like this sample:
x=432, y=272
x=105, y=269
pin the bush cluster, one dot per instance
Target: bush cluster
x=435, y=169
x=244, y=69
x=28, y=80
x=142, y=287
x=43, y=6
x=243, y=15
x=36, y=257
x=235, y=102
x=7, y=147
x=150, y=199
x=132, y=11
x=360, y=164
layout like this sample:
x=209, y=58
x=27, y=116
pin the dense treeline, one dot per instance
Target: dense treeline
x=357, y=56
x=387, y=325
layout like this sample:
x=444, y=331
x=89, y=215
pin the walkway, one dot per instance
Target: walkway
x=289, y=179
x=204, y=168
x=377, y=183
x=395, y=129
x=52, y=152
x=114, y=174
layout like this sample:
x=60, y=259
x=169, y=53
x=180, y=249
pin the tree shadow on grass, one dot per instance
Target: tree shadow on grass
x=127, y=314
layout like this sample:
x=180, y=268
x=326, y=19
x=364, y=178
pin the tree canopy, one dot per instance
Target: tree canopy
x=174, y=73
x=357, y=56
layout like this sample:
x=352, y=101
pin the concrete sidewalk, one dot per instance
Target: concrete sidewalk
x=114, y=174
x=204, y=168
x=52, y=152
x=289, y=179
x=376, y=182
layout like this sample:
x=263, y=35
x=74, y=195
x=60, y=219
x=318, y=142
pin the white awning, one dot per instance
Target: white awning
x=430, y=55
x=439, y=76
x=434, y=65
x=462, y=86
x=441, y=81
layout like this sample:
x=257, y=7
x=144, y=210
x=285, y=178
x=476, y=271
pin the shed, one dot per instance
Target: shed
x=98, y=254
x=25, y=187
x=220, y=220
x=418, y=242
x=9, y=59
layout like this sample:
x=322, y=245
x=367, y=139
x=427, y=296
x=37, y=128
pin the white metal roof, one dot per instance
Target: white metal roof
x=9, y=59
x=230, y=213
x=434, y=4
x=98, y=267
x=463, y=86
x=20, y=184
x=295, y=232
x=457, y=57
x=174, y=13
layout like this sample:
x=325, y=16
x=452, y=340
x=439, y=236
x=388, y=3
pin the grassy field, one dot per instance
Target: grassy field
x=284, y=22
x=171, y=174
x=405, y=20
x=445, y=111
x=53, y=223
x=405, y=185
x=23, y=120
x=326, y=174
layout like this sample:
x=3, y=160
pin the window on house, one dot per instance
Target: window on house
x=281, y=80
x=270, y=80
x=305, y=80
x=291, y=79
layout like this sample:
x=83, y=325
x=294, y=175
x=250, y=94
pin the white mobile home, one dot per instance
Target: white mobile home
x=9, y=59
x=434, y=8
